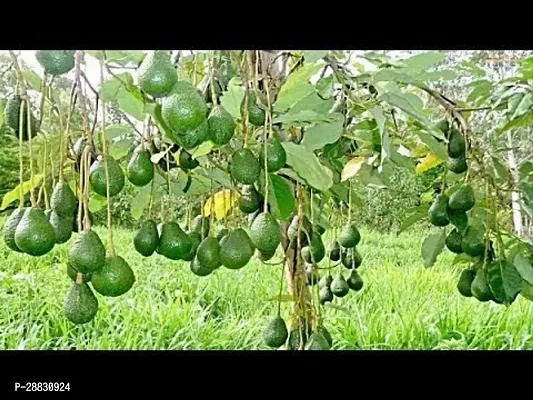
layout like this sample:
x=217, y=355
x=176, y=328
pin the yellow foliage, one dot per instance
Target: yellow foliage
x=221, y=203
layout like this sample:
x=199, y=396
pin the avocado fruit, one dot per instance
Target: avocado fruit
x=322, y=329
x=438, y=211
x=140, y=170
x=351, y=258
x=480, y=287
x=174, y=243
x=199, y=270
x=462, y=199
x=98, y=179
x=325, y=281
x=472, y=242
x=339, y=287
x=354, y=281
x=73, y=274
x=196, y=239
x=12, y=118
x=221, y=125
x=453, y=241
x=63, y=201
x=276, y=157
x=325, y=294
x=458, y=165
x=34, y=235
x=146, y=240
x=87, y=252
x=208, y=253
x=464, y=284
x=156, y=75
x=317, y=341
x=55, y=62
x=62, y=226
x=456, y=144
x=114, y=279
x=307, y=228
x=275, y=333
x=299, y=335
x=256, y=115
x=444, y=126
x=193, y=137
x=265, y=233
x=221, y=233
x=236, y=249
x=81, y=305
x=200, y=225
x=250, y=200
x=318, y=251
x=312, y=275
x=459, y=219
x=335, y=251
x=10, y=226
x=186, y=161
x=349, y=236
x=244, y=167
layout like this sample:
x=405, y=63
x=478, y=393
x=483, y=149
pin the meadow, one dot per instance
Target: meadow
x=402, y=305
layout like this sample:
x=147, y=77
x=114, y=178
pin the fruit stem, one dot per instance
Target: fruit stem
x=350, y=202
x=152, y=191
x=212, y=80
x=30, y=140
x=21, y=163
x=267, y=133
x=195, y=64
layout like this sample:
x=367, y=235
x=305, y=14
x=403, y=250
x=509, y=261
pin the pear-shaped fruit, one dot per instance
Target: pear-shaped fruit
x=10, y=226
x=459, y=219
x=335, y=251
x=63, y=201
x=81, y=305
x=34, y=235
x=194, y=137
x=221, y=125
x=275, y=333
x=464, y=285
x=480, y=287
x=200, y=225
x=199, y=270
x=325, y=294
x=186, y=161
x=317, y=341
x=276, y=155
x=265, y=233
x=456, y=144
x=444, y=126
x=236, y=249
x=208, y=253
x=438, y=211
x=462, y=199
x=114, y=279
x=195, y=240
x=244, y=167
x=351, y=258
x=12, y=118
x=140, y=168
x=472, y=242
x=453, y=242
x=147, y=238
x=55, y=62
x=87, y=252
x=325, y=281
x=318, y=251
x=256, y=115
x=458, y=165
x=62, y=226
x=354, y=281
x=174, y=243
x=98, y=176
x=156, y=74
x=339, y=287
x=221, y=233
x=250, y=200
x=349, y=236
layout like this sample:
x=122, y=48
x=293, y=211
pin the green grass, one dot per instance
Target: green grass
x=402, y=305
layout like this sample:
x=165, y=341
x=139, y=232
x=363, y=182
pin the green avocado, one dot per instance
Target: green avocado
x=351, y=258
x=63, y=201
x=312, y=275
x=317, y=341
x=10, y=226
x=114, y=279
x=194, y=137
x=453, y=242
x=457, y=165
x=208, y=253
x=186, y=161
x=256, y=115
x=443, y=125
x=438, y=212
x=87, y=252
x=156, y=74
x=140, y=170
x=325, y=281
x=480, y=287
x=221, y=125
x=276, y=334
x=62, y=226
x=199, y=270
x=459, y=219
x=325, y=294
x=464, y=284
x=201, y=225
x=349, y=236
x=322, y=329
x=81, y=305
x=73, y=274
x=355, y=282
x=34, y=235
x=221, y=233
x=98, y=179
x=147, y=238
x=472, y=243
x=245, y=167
x=339, y=287
x=276, y=155
x=318, y=251
x=195, y=240
x=264, y=256
x=456, y=144
x=265, y=233
x=236, y=249
x=250, y=200
x=174, y=243
x=462, y=199
x=12, y=118
x=55, y=62
x=335, y=251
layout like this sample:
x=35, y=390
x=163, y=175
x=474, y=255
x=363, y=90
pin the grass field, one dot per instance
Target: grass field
x=402, y=305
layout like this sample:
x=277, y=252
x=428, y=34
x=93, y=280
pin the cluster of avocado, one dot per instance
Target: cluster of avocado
x=456, y=148
x=276, y=335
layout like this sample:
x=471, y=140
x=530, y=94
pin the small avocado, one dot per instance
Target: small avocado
x=444, y=126
x=472, y=242
x=198, y=270
x=62, y=226
x=250, y=200
x=453, y=242
x=307, y=228
x=325, y=281
x=264, y=256
x=200, y=225
x=464, y=284
x=480, y=287
x=114, y=279
x=34, y=235
x=299, y=335
x=459, y=219
x=265, y=233
x=339, y=287
x=236, y=249
x=55, y=62
x=312, y=275
x=63, y=201
x=335, y=251
x=208, y=253
x=81, y=305
x=12, y=118
x=73, y=274
x=355, y=282
x=221, y=233
x=318, y=251
x=244, y=166
x=156, y=74
x=98, y=179
x=221, y=125
x=276, y=155
x=147, y=238
x=186, y=161
x=275, y=333
x=194, y=137
x=458, y=165
x=317, y=341
x=174, y=243
x=87, y=252
x=462, y=199
x=140, y=170
x=325, y=294
x=456, y=144
x=256, y=115
x=349, y=236
x=351, y=258
x=196, y=239
x=306, y=254
x=10, y=226
x=438, y=211
x=320, y=229
x=322, y=329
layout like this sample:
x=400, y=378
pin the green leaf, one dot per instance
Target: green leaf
x=377, y=113
x=296, y=87
x=524, y=268
x=317, y=136
x=117, y=130
x=324, y=87
x=504, y=280
x=120, y=148
x=280, y=197
x=406, y=104
x=33, y=80
x=232, y=98
x=432, y=247
x=302, y=118
x=481, y=90
x=313, y=102
x=526, y=291
x=312, y=56
x=524, y=106
x=500, y=171
x=110, y=88
x=513, y=103
x=386, y=75
x=204, y=149
x=352, y=168
x=444, y=74
x=425, y=60
x=436, y=147
x=308, y=167
x=96, y=202
x=140, y=201
x=131, y=102
x=14, y=194
x=413, y=218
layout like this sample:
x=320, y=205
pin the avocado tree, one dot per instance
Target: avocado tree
x=269, y=144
